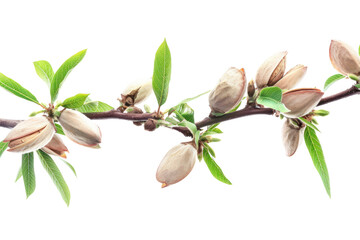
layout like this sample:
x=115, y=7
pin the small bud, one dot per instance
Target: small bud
x=150, y=125
x=229, y=91
x=139, y=91
x=271, y=71
x=31, y=134
x=344, y=58
x=200, y=156
x=292, y=77
x=79, y=128
x=177, y=164
x=321, y=113
x=291, y=135
x=353, y=77
x=251, y=88
x=56, y=147
x=301, y=101
x=147, y=108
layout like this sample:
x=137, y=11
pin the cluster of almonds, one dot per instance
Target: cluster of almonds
x=230, y=90
x=40, y=133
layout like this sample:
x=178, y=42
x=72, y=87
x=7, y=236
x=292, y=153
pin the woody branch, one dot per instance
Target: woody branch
x=116, y=114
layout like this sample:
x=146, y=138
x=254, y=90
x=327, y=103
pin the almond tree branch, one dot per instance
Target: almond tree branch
x=344, y=94
x=8, y=123
x=136, y=117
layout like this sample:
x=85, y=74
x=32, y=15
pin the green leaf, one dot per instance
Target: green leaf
x=59, y=129
x=28, y=173
x=271, y=97
x=63, y=72
x=33, y=114
x=196, y=138
x=309, y=124
x=208, y=132
x=235, y=108
x=210, y=150
x=171, y=120
x=44, y=71
x=162, y=73
x=94, y=106
x=216, y=130
x=316, y=153
x=212, y=131
x=214, y=168
x=75, y=101
x=190, y=99
x=16, y=89
x=183, y=111
x=213, y=126
x=55, y=174
x=191, y=126
x=19, y=174
x=331, y=80
x=357, y=85
x=70, y=166
x=3, y=146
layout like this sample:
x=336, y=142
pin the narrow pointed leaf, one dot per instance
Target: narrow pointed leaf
x=213, y=126
x=209, y=149
x=19, y=174
x=316, y=153
x=331, y=80
x=192, y=98
x=172, y=120
x=94, y=106
x=75, y=101
x=196, y=138
x=162, y=73
x=59, y=129
x=55, y=174
x=235, y=108
x=183, y=111
x=271, y=97
x=214, y=168
x=63, y=72
x=70, y=166
x=16, y=89
x=191, y=126
x=28, y=173
x=211, y=131
x=44, y=71
x=3, y=146
x=309, y=124
x=216, y=130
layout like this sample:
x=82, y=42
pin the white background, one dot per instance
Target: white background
x=116, y=195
